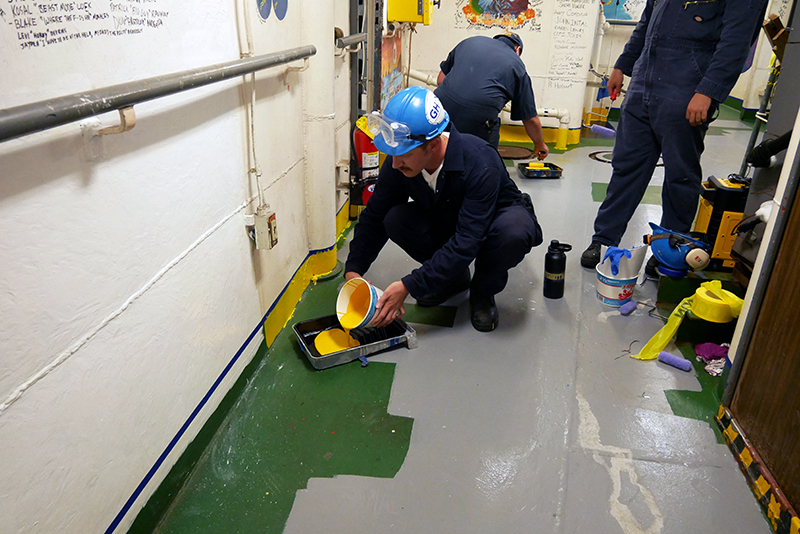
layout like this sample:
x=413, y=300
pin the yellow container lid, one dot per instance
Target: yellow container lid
x=714, y=304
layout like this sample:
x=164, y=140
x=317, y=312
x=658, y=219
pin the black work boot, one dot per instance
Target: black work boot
x=457, y=285
x=483, y=312
x=651, y=266
x=591, y=256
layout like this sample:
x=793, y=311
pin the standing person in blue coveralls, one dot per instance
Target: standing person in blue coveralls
x=478, y=78
x=463, y=207
x=683, y=59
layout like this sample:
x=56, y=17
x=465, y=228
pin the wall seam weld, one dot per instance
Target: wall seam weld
x=64, y=356
x=284, y=173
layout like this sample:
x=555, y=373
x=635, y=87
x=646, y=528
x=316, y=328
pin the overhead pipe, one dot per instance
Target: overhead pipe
x=46, y=114
x=561, y=114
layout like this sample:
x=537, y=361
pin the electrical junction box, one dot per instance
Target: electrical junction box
x=409, y=11
x=266, y=228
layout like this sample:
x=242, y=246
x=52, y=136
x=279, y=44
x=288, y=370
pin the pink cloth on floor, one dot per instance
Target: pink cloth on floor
x=711, y=351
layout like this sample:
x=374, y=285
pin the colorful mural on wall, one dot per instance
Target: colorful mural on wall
x=391, y=78
x=507, y=14
x=623, y=9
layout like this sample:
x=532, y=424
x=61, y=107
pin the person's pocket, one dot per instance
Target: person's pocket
x=528, y=203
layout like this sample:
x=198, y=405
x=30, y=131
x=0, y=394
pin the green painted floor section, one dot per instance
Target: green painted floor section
x=701, y=405
x=444, y=316
x=651, y=196
x=285, y=422
x=291, y=423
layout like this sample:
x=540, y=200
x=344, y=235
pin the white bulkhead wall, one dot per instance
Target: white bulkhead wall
x=129, y=281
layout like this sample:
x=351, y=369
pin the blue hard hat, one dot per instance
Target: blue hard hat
x=412, y=116
x=672, y=248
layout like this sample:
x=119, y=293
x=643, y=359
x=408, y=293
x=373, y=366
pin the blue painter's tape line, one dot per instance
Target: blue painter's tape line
x=294, y=275
x=138, y=491
x=115, y=523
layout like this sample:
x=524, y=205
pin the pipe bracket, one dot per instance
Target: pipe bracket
x=127, y=120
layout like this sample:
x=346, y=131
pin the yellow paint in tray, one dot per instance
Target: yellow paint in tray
x=334, y=340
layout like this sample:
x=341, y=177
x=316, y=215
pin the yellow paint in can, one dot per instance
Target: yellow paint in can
x=357, y=307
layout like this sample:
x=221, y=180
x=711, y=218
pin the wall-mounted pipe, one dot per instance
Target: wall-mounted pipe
x=350, y=40
x=561, y=114
x=422, y=77
x=38, y=116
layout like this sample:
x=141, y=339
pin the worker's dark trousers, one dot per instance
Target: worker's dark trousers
x=650, y=126
x=511, y=236
x=483, y=123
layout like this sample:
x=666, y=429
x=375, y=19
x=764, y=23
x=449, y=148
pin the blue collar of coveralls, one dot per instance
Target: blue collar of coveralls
x=454, y=156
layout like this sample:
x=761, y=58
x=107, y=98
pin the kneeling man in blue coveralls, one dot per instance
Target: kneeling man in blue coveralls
x=447, y=200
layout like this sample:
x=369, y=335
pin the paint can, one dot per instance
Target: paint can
x=614, y=291
x=356, y=303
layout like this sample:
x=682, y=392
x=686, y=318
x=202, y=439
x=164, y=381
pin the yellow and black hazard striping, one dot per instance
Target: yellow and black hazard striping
x=776, y=507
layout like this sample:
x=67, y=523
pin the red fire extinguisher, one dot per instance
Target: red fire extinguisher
x=366, y=163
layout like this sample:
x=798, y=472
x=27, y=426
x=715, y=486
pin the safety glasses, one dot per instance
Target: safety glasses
x=393, y=133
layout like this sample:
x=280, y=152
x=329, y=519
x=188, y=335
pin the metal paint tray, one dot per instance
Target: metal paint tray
x=551, y=171
x=372, y=340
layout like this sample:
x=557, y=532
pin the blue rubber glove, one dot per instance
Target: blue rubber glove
x=602, y=92
x=615, y=254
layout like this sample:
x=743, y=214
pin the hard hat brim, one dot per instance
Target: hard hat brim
x=402, y=148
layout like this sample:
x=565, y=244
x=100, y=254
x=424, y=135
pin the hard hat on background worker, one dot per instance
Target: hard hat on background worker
x=412, y=116
x=512, y=39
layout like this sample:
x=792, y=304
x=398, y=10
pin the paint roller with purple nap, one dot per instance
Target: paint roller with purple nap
x=604, y=131
x=674, y=361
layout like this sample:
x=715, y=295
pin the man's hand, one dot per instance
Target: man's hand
x=349, y=275
x=390, y=305
x=533, y=127
x=541, y=150
x=615, y=83
x=697, y=110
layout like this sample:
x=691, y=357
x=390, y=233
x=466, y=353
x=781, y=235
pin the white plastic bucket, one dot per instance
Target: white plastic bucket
x=356, y=303
x=614, y=291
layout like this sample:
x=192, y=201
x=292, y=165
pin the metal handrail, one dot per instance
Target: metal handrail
x=344, y=42
x=39, y=116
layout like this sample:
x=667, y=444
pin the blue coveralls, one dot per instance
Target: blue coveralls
x=677, y=49
x=477, y=213
x=481, y=75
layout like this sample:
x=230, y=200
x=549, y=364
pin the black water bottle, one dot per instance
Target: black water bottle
x=555, y=264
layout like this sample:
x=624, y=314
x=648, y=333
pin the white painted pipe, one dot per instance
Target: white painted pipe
x=561, y=114
x=597, y=46
x=422, y=77
x=319, y=126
